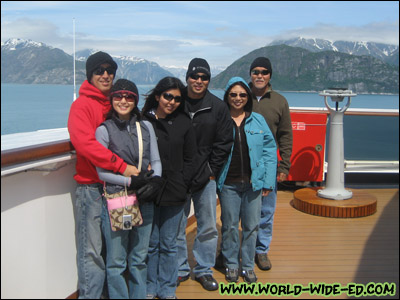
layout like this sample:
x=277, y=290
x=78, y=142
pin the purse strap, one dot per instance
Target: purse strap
x=140, y=141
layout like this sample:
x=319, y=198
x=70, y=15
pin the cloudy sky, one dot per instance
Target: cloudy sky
x=172, y=33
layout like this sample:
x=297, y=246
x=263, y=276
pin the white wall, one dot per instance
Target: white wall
x=38, y=253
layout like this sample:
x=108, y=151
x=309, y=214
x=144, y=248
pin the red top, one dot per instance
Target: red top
x=86, y=114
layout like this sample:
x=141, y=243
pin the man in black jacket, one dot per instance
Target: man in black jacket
x=214, y=135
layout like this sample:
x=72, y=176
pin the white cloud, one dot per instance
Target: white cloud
x=36, y=30
x=382, y=32
x=220, y=46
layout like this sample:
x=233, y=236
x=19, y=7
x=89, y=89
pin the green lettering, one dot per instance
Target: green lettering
x=370, y=288
x=336, y=289
x=263, y=289
x=390, y=288
x=298, y=289
x=274, y=289
x=328, y=290
x=281, y=290
x=316, y=289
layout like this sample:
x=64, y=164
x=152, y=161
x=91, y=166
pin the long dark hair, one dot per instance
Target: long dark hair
x=163, y=85
x=249, y=105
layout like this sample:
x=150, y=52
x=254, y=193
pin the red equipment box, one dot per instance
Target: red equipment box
x=308, y=154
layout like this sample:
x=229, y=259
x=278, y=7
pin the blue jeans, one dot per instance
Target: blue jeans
x=264, y=236
x=91, y=269
x=239, y=202
x=205, y=244
x=162, y=266
x=127, y=247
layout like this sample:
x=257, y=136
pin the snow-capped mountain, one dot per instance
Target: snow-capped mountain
x=27, y=61
x=385, y=52
x=14, y=44
x=136, y=69
x=181, y=72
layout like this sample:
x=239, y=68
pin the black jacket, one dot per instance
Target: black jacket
x=177, y=147
x=214, y=135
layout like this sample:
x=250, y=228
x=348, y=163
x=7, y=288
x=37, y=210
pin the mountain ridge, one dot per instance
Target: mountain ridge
x=295, y=68
x=30, y=62
x=385, y=52
x=298, y=69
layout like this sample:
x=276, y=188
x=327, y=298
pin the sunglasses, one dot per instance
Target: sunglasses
x=197, y=76
x=263, y=72
x=101, y=70
x=129, y=97
x=241, y=95
x=170, y=97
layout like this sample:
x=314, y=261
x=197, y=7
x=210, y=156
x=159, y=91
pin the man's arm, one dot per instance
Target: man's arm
x=284, y=139
x=82, y=136
x=223, y=140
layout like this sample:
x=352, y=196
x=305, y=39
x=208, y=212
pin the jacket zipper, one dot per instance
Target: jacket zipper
x=191, y=114
x=241, y=154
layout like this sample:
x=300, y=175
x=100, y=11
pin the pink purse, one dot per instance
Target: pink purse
x=123, y=209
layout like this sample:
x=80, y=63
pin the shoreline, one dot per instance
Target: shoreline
x=217, y=89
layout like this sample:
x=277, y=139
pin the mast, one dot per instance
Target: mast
x=73, y=21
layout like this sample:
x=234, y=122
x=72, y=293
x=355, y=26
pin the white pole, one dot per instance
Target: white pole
x=74, y=58
x=335, y=177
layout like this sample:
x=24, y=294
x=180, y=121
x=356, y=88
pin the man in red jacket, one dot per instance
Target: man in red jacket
x=86, y=114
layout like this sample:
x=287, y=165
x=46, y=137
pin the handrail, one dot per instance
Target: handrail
x=34, y=152
x=350, y=112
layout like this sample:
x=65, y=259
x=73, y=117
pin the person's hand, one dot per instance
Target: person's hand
x=265, y=192
x=281, y=177
x=141, y=180
x=131, y=170
x=149, y=192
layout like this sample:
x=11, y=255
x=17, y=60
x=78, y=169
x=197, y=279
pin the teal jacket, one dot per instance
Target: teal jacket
x=262, y=152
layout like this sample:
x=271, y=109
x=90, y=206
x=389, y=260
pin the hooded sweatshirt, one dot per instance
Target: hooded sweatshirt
x=86, y=114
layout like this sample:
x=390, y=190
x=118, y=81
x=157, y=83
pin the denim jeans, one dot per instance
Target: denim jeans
x=264, y=236
x=91, y=269
x=239, y=202
x=205, y=244
x=162, y=266
x=183, y=264
x=127, y=248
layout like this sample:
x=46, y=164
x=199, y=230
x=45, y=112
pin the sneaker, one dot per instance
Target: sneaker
x=263, y=261
x=232, y=275
x=182, y=279
x=150, y=296
x=249, y=276
x=208, y=282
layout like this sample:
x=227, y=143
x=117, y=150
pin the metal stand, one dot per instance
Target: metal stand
x=335, y=175
x=357, y=203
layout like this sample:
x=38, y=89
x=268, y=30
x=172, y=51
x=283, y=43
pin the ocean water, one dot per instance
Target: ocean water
x=26, y=108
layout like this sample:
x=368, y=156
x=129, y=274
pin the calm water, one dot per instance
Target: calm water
x=26, y=108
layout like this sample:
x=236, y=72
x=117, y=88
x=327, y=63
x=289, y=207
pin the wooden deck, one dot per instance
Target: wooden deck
x=307, y=248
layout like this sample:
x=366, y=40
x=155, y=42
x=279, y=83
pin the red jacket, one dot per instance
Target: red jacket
x=86, y=114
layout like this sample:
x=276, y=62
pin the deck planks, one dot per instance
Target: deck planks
x=307, y=248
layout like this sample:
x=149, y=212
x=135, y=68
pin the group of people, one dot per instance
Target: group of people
x=194, y=146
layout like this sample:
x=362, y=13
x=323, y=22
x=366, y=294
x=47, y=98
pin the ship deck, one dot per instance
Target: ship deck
x=307, y=248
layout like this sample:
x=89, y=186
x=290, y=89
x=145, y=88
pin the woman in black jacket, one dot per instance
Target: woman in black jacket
x=177, y=147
